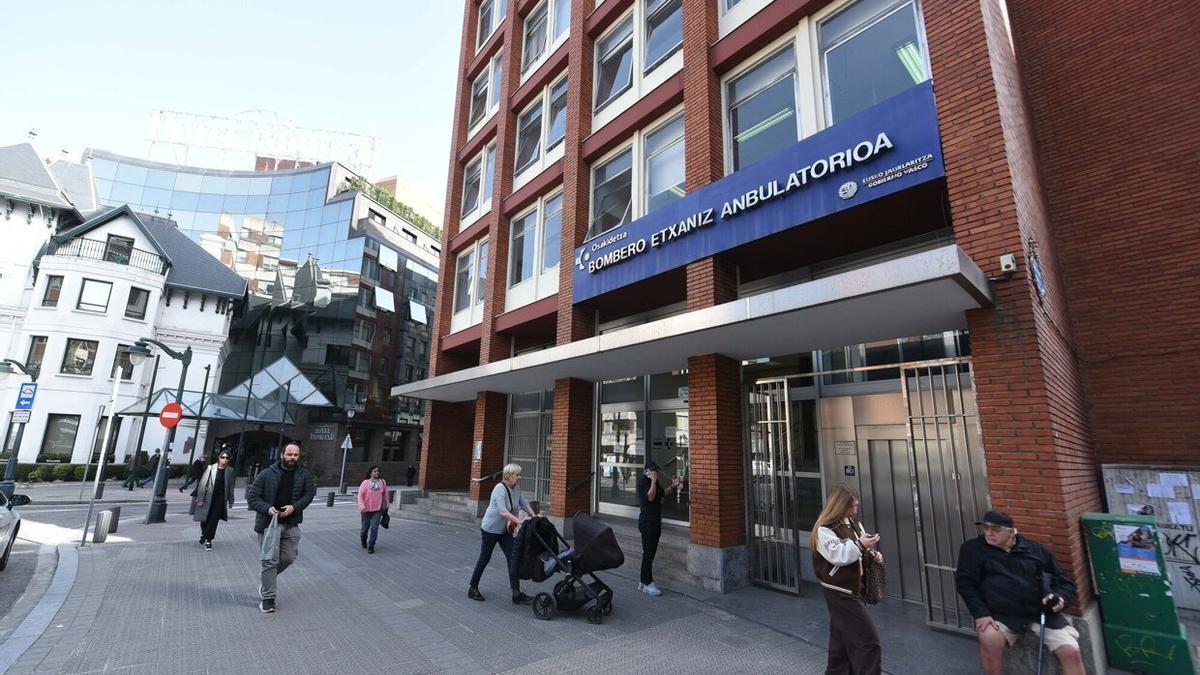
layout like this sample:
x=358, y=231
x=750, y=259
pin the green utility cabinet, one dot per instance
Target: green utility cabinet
x=1142, y=631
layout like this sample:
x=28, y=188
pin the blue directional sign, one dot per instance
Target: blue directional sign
x=26, y=395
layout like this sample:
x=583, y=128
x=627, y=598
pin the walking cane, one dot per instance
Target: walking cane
x=1042, y=638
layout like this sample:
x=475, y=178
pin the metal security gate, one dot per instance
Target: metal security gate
x=775, y=548
x=949, y=481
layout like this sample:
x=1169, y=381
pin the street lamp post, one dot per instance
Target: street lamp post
x=6, y=369
x=137, y=354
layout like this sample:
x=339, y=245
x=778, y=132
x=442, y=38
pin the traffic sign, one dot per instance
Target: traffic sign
x=26, y=395
x=170, y=415
x=20, y=417
x=346, y=444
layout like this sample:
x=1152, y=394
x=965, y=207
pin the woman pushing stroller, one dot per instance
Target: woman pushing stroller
x=502, y=518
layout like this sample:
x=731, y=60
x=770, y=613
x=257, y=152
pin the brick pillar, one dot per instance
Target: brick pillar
x=446, y=446
x=575, y=323
x=710, y=281
x=491, y=423
x=717, y=554
x=1040, y=463
x=571, y=455
x=704, y=148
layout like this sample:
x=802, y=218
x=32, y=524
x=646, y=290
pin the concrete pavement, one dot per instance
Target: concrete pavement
x=154, y=601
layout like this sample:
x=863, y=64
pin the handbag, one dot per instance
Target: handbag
x=270, y=540
x=512, y=527
x=874, y=576
x=385, y=520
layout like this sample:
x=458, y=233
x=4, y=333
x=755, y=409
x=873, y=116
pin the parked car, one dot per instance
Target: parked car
x=10, y=523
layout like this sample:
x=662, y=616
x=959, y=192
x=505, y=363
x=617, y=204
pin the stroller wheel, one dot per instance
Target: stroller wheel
x=606, y=604
x=595, y=614
x=543, y=606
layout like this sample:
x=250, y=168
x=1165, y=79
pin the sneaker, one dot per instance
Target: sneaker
x=208, y=546
x=201, y=541
x=371, y=548
x=267, y=605
x=474, y=594
x=649, y=589
x=520, y=598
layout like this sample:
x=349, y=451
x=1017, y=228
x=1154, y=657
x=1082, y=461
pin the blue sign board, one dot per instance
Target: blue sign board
x=887, y=148
x=26, y=395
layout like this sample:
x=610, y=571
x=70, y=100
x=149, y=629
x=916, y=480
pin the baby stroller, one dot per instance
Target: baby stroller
x=595, y=549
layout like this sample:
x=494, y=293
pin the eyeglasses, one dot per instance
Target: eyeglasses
x=996, y=528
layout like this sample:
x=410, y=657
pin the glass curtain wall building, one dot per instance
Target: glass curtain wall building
x=288, y=233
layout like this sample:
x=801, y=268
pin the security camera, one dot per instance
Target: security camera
x=1008, y=263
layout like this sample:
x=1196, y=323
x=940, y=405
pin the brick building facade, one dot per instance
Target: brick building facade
x=828, y=331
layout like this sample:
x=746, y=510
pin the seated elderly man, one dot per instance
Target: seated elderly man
x=1000, y=578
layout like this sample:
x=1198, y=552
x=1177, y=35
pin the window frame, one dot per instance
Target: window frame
x=91, y=307
x=639, y=179
x=95, y=351
x=46, y=302
x=491, y=95
x=645, y=77
x=129, y=303
x=644, y=190
x=472, y=313
x=553, y=40
x=122, y=350
x=618, y=27
x=483, y=202
x=37, y=363
x=648, y=66
x=498, y=13
x=547, y=153
x=543, y=281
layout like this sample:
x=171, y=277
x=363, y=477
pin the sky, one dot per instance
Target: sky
x=89, y=74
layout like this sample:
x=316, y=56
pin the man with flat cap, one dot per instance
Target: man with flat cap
x=1002, y=579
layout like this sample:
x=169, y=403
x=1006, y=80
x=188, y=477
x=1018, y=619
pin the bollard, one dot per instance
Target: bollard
x=103, y=522
x=116, y=511
x=391, y=496
x=329, y=499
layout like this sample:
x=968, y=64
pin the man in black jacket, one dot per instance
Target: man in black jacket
x=1000, y=578
x=285, y=489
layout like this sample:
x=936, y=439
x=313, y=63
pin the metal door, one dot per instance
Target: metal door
x=775, y=549
x=887, y=506
x=948, y=475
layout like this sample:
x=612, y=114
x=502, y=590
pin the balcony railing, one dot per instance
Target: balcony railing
x=94, y=249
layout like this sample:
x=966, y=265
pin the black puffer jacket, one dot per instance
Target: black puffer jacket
x=260, y=496
x=530, y=557
x=1007, y=586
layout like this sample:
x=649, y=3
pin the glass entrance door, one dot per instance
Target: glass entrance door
x=622, y=457
x=669, y=448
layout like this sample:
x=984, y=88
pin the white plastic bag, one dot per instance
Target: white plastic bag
x=270, y=540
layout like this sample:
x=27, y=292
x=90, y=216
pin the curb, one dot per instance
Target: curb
x=43, y=613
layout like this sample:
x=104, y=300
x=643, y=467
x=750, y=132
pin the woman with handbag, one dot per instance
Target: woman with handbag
x=839, y=547
x=500, y=521
x=372, y=506
x=214, y=498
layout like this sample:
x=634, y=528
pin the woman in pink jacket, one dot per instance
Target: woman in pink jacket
x=372, y=504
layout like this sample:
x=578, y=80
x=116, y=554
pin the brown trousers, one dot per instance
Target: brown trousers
x=853, y=642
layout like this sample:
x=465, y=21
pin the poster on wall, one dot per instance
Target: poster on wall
x=1135, y=549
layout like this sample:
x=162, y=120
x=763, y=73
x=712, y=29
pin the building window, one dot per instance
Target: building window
x=470, y=277
x=762, y=109
x=135, y=307
x=387, y=336
x=377, y=218
x=540, y=130
x=118, y=250
x=614, y=63
x=477, y=183
x=366, y=331
x=665, y=179
x=612, y=193
x=551, y=15
x=664, y=30
x=54, y=284
x=556, y=128
x=529, y=136
x=651, y=168
x=491, y=15
x=37, y=352
x=79, y=356
x=485, y=92
x=870, y=51
x=534, y=252
x=122, y=363
x=59, y=441
x=94, y=295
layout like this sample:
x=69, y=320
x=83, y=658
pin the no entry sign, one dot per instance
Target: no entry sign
x=170, y=415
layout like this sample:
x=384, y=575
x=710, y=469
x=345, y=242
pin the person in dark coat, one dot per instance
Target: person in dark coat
x=411, y=474
x=214, y=498
x=194, y=473
x=650, y=495
x=1000, y=579
x=152, y=468
x=283, y=489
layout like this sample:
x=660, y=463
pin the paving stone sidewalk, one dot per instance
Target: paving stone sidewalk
x=159, y=603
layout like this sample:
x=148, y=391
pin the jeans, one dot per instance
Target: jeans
x=650, y=537
x=370, y=525
x=289, y=548
x=487, y=544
